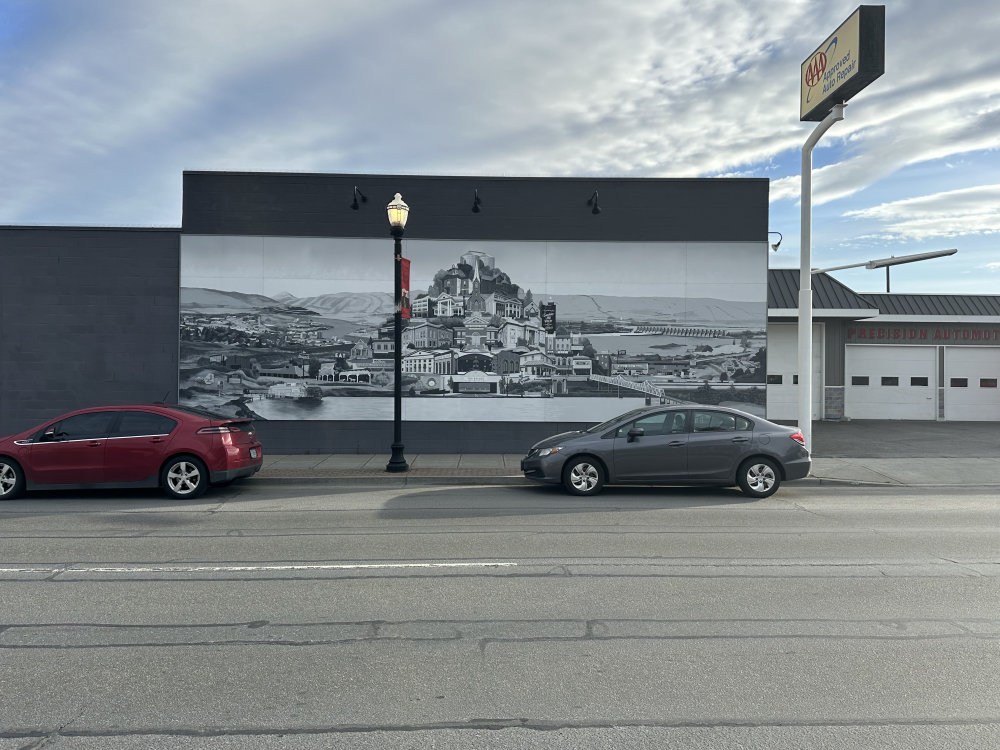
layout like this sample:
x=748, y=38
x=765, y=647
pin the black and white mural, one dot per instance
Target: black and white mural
x=288, y=328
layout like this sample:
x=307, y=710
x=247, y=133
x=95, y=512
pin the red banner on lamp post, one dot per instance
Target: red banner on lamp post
x=404, y=299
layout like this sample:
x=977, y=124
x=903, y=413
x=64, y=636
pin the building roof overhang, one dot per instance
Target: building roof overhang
x=792, y=313
x=954, y=319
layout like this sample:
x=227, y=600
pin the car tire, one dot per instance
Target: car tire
x=583, y=476
x=11, y=479
x=758, y=477
x=184, y=477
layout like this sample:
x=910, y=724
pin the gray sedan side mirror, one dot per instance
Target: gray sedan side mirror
x=635, y=432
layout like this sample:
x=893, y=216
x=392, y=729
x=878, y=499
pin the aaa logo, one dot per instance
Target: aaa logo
x=815, y=69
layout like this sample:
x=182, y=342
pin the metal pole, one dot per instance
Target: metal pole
x=805, y=277
x=397, y=462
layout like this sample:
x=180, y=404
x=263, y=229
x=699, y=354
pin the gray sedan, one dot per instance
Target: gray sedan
x=685, y=445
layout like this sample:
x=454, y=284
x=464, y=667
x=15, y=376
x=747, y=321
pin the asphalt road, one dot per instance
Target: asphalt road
x=300, y=617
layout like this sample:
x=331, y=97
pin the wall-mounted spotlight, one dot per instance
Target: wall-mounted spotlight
x=476, y=203
x=592, y=201
x=775, y=245
x=358, y=194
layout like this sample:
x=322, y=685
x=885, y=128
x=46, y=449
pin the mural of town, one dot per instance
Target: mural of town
x=475, y=333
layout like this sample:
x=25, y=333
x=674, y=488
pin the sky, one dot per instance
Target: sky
x=302, y=267
x=105, y=103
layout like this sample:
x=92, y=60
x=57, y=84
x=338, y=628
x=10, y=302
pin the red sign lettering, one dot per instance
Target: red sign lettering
x=815, y=69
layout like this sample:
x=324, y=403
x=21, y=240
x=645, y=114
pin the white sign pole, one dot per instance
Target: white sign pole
x=805, y=277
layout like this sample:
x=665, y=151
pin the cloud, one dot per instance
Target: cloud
x=104, y=104
x=598, y=87
x=969, y=211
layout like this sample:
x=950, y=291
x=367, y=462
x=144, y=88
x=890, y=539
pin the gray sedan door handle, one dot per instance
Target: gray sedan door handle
x=741, y=440
x=675, y=443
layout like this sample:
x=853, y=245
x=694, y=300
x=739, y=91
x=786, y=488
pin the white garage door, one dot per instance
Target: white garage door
x=970, y=383
x=783, y=365
x=890, y=382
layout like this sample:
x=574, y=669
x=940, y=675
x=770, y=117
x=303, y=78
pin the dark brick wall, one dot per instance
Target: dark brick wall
x=418, y=437
x=87, y=317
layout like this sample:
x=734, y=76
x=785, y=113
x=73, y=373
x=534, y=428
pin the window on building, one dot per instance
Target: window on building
x=795, y=379
x=859, y=380
x=774, y=379
x=959, y=383
x=987, y=382
x=918, y=381
x=890, y=381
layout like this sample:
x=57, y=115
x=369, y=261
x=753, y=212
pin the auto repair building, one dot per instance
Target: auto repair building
x=885, y=356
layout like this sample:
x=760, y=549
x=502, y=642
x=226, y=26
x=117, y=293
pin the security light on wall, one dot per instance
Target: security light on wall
x=476, y=203
x=358, y=194
x=592, y=201
x=776, y=244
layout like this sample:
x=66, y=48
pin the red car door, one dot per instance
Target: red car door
x=137, y=446
x=71, y=451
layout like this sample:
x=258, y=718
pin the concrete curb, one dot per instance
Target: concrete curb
x=398, y=480
x=412, y=480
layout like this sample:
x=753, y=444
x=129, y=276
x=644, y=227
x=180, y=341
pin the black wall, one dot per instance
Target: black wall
x=318, y=205
x=87, y=317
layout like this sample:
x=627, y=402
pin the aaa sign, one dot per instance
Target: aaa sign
x=850, y=58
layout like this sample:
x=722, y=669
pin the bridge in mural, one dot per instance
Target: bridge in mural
x=641, y=386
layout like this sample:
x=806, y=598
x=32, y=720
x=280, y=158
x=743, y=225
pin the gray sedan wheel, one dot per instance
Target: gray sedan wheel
x=758, y=477
x=583, y=476
x=11, y=479
x=184, y=477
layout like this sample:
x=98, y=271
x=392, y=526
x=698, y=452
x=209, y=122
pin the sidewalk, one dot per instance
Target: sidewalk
x=863, y=452
x=493, y=469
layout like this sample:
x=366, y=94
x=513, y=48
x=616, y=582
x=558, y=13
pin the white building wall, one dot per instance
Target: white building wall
x=890, y=382
x=978, y=367
x=783, y=360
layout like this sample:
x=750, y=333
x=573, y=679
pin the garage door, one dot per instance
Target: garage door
x=783, y=366
x=970, y=383
x=890, y=382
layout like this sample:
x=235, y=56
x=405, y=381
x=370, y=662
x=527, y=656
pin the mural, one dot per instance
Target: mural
x=302, y=328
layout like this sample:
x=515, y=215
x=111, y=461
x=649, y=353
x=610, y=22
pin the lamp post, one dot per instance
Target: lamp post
x=398, y=212
x=891, y=261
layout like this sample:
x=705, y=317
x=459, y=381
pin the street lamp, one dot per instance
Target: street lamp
x=891, y=261
x=398, y=212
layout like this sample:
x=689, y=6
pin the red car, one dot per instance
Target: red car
x=181, y=449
